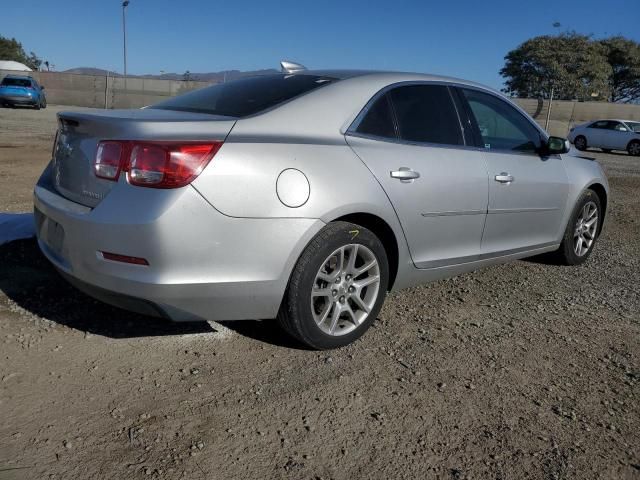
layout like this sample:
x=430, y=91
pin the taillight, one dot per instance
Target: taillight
x=108, y=160
x=147, y=165
x=155, y=164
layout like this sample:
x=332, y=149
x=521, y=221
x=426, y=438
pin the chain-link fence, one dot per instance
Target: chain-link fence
x=102, y=91
x=566, y=114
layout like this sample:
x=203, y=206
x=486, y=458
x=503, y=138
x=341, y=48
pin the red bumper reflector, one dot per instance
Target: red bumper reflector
x=124, y=258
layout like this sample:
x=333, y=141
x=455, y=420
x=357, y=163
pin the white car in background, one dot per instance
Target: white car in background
x=607, y=135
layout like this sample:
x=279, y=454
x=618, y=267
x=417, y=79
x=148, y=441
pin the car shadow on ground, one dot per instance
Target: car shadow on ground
x=29, y=280
x=611, y=152
x=266, y=331
x=548, y=258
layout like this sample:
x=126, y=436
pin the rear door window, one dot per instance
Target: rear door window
x=378, y=121
x=635, y=126
x=245, y=97
x=426, y=114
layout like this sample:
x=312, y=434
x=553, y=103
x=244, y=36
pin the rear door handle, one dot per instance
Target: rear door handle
x=405, y=174
x=504, y=177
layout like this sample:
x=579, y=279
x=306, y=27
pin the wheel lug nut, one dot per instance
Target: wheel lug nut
x=334, y=292
x=342, y=299
x=337, y=279
x=348, y=277
x=352, y=289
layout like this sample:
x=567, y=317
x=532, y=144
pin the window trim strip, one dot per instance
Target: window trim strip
x=452, y=85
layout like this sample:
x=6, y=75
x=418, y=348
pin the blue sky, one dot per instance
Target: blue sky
x=464, y=38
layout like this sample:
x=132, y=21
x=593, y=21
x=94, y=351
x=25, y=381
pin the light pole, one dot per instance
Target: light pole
x=546, y=123
x=125, y=4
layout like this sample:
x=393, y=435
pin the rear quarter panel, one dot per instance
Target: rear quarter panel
x=241, y=182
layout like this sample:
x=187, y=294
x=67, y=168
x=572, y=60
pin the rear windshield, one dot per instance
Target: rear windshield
x=15, y=82
x=635, y=126
x=244, y=97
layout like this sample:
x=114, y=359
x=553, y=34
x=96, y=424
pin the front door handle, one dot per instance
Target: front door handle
x=405, y=174
x=504, y=177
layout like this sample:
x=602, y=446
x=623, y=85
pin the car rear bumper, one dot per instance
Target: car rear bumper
x=18, y=100
x=203, y=265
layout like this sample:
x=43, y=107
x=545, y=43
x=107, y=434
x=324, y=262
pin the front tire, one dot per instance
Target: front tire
x=634, y=148
x=580, y=142
x=582, y=230
x=337, y=287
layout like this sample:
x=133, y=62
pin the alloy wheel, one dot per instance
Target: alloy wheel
x=345, y=289
x=634, y=148
x=585, y=231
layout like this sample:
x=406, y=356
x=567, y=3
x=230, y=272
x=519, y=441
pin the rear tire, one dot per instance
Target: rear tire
x=634, y=148
x=580, y=142
x=320, y=308
x=582, y=230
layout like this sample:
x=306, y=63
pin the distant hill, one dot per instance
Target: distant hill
x=202, y=77
x=90, y=71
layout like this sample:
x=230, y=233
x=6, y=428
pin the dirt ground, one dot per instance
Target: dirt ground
x=519, y=371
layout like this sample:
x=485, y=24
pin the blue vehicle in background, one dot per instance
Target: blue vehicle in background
x=22, y=90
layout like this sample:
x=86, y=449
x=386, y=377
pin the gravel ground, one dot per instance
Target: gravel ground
x=519, y=371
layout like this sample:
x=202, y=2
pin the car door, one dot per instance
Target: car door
x=527, y=191
x=595, y=133
x=411, y=139
x=615, y=135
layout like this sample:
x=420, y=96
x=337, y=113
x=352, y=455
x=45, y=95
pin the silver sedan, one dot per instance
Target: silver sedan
x=307, y=196
x=607, y=135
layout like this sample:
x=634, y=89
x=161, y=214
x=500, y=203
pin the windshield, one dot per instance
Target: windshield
x=244, y=97
x=635, y=126
x=15, y=82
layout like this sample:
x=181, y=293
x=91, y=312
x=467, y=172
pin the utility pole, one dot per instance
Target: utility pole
x=125, y=4
x=106, y=90
x=546, y=124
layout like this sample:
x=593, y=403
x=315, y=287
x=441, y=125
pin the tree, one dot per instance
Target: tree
x=623, y=56
x=11, y=49
x=574, y=65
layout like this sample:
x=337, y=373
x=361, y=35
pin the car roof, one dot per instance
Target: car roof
x=19, y=77
x=339, y=102
x=391, y=76
x=612, y=120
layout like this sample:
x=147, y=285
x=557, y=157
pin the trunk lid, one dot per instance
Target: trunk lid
x=79, y=133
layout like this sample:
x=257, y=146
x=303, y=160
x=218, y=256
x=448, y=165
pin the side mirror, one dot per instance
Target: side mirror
x=557, y=145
